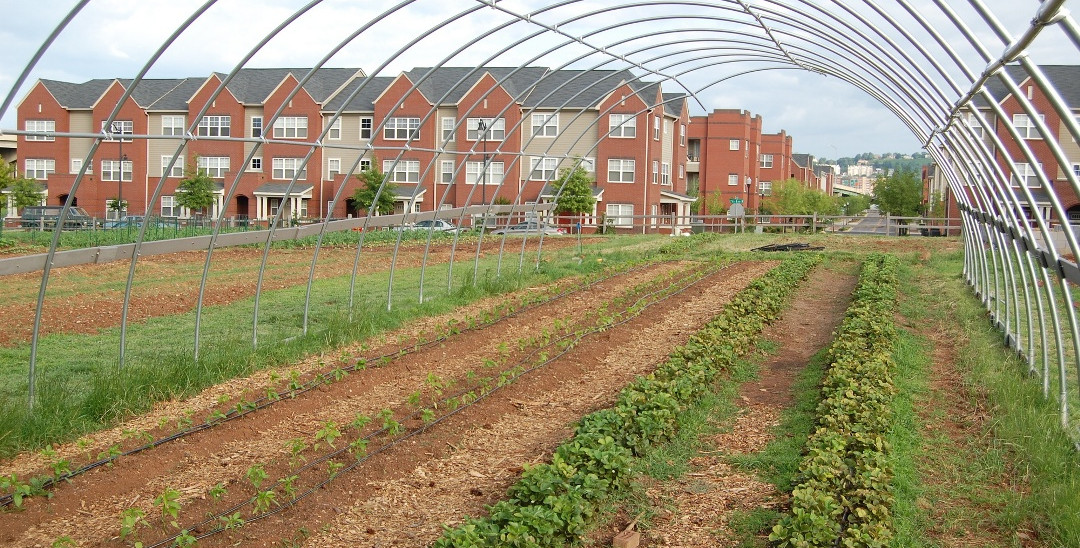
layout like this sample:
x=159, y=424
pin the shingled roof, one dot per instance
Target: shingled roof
x=364, y=101
x=254, y=85
x=1064, y=78
x=77, y=96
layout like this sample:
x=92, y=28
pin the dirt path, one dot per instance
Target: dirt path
x=698, y=506
x=463, y=462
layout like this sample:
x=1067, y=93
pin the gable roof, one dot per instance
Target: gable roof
x=673, y=103
x=254, y=85
x=364, y=101
x=450, y=84
x=801, y=160
x=577, y=88
x=77, y=96
x=1064, y=78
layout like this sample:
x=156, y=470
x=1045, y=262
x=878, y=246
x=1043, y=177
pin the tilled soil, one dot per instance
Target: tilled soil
x=402, y=495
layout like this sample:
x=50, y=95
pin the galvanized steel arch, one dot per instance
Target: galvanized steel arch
x=905, y=56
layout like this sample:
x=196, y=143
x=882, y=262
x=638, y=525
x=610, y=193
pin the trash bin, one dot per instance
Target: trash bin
x=697, y=227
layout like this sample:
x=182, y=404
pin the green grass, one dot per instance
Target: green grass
x=912, y=369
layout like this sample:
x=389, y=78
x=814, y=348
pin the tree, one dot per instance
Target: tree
x=196, y=191
x=790, y=197
x=25, y=192
x=576, y=197
x=364, y=196
x=899, y=194
x=851, y=205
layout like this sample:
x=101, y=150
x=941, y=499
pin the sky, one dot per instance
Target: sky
x=712, y=53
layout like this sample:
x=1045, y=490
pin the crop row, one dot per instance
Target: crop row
x=844, y=494
x=553, y=502
x=339, y=448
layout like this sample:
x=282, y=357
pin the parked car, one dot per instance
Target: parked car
x=437, y=225
x=46, y=217
x=136, y=221
x=531, y=227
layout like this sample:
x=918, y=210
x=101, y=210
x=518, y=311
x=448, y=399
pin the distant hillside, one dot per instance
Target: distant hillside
x=887, y=161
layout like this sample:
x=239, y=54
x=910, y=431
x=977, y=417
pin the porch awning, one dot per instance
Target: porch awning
x=409, y=193
x=669, y=197
x=277, y=190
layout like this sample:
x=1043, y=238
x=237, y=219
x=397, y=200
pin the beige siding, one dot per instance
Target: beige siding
x=81, y=122
x=349, y=148
x=447, y=112
x=156, y=148
x=245, y=131
x=577, y=137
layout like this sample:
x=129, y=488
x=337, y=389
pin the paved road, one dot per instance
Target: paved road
x=872, y=223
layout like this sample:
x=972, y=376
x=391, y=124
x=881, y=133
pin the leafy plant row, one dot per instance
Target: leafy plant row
x=844, y=495
x=553, y=502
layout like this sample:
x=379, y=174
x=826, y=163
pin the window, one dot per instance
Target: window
x=474, y=171
x=1025, y=175
x=622, y=125
x=41, y=126
x=545, y=124
x=110, y=213
x=335, y=130
x=448, y=123
x=732, y=179
x=682, y=171
x=123, y=127
x=40, y=168
x=446, y=171
x=365, y=164
x=290, y=127
x=766, y=161
x=406, y=171
x=665, y=174
x=256, y=126
x=542, y=169
x=287, y=168
x=496, y=129
x=169, y=208
x=1076, y=170
x=214, y=166
x=1025, y=126
x=177, y=168
x=256, y=164
x=655, y=172
x=399, y=129
x=214, y=126
x=733, y=144
x=172, y=125
x=588, y=164
x=365, y=127
x=333, y=168
x=682, y=135
x=765, y=188
x=973, y=122
x=620, y=214
x=620, y=171
x=76, y=165
x=110, y=170
x=656, y=128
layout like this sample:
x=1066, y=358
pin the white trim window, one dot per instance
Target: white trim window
x=214, y=166
x=1025, y=126
x=682, y=171
x=365, y=164
x=655, y=171
x=733, y=144
x=766, y=161
x=495, y=173
x=588, y=164
x=1076, y=170
x=215, y=126
x=333, y=168
x=765, y=188
x=123, y=127
x=40, y=126
x=732, y=179
x=656, y=128
x=446, y=171
x=401, y=128
x=290, y=127
x=543, y=168
x=682, y=135
x=665, y=174
x=619, y=214
x=76, y=165
x=620, y=170
x=177, y=168
x=622, y=126
x=545, y=124
x=972, y=122
x=39, y=168
x=256, y=127
x=448, y=123
x=256, y=164
x=169, y=208
x=406, y=171
x=496, y=129
x=334, y=133
x=1026, y=175
x=172, y=124
x=366, y=123
x=110, y=170
x=287, y=168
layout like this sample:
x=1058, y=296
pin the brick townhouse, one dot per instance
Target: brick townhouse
x=432, y=130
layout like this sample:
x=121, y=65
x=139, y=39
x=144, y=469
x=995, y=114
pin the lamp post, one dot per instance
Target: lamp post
x=482, y=127
x=118, y=127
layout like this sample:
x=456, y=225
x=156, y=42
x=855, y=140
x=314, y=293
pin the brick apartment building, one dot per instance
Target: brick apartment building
x=447, y=137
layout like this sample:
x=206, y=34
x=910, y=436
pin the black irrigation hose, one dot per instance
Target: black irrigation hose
x=577, y=337
x=318, y=380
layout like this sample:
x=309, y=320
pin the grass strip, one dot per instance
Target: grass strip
x=552, y=502
x=845, y=495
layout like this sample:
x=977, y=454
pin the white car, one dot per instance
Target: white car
x=437, y=225
x=531, y=227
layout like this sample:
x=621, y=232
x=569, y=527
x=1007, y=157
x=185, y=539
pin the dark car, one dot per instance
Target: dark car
x=47, y=216
x=531, y=227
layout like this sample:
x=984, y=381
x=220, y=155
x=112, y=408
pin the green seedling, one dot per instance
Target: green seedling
x=256, y=475
x=169, y=504
x=217, y=492
x=263, y=500
x=328, y=433
x=130, y=521
x=232, y=522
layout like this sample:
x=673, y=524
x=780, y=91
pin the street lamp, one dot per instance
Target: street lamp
x=481, y=126
x=118, y=127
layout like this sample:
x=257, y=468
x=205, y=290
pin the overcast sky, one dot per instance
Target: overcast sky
x=826, y=116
